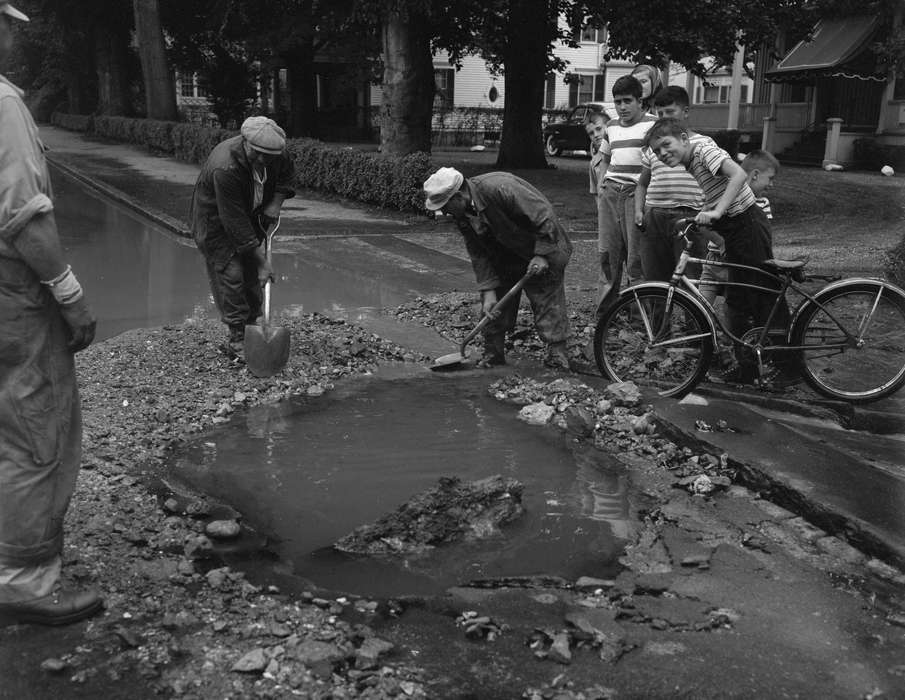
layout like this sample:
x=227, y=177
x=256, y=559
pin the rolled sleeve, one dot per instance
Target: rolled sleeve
x=24, y=183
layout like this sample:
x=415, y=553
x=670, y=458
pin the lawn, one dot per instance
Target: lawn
x=845, y=221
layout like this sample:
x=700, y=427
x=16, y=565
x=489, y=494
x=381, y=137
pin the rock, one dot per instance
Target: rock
x=454, y=510
x=623, y=394
x=320, y=657
x=53, y=665
x=222, y=529
x=604, y=406
x=536, y=413
x=559, y=651
x=579, y=421
x=254, y=661
x=198, y=547
x=366, y=656
x=590, y=583
x=888, y=170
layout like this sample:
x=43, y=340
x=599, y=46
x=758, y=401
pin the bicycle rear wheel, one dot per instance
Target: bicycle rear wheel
x=870, y=366
x=639, y=339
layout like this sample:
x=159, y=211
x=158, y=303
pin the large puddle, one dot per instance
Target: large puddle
x=138, y=275
x=309, y=471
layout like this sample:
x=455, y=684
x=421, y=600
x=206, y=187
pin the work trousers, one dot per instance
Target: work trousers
x=40, y=441
x=237, y=292
x=660, y=249
x=618, y=242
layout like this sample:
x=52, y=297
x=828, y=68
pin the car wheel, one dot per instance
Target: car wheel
x=552, y=147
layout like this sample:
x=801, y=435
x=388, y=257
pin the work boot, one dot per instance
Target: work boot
x=234, y=347
x=61, y=607
x=558, y=356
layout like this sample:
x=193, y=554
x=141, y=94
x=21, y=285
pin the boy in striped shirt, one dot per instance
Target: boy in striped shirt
x=665, y=195
x=730, y=210
x=618, y=238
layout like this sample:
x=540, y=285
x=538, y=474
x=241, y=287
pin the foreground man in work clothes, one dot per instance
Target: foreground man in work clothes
x=238, y=194
x=509, y=228
x=43, y=320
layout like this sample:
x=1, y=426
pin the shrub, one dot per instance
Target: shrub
x=387, y=181
x=194, y=143
x=73, y=122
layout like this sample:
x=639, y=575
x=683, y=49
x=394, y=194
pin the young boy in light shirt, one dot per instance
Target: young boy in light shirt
x=731, y=211
x=618, y=240
x=665, y=195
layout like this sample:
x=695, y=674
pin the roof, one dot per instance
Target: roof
x=836, y=48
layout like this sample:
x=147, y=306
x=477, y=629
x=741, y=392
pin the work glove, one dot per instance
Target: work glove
x=82, y=324
x=538, y=265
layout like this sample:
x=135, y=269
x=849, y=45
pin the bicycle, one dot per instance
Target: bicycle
x=847, y=339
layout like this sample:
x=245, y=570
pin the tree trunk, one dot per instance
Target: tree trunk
x=112, y=80
x=160, y=84
x=408, y=86
x=521, y=143
x=302, y=92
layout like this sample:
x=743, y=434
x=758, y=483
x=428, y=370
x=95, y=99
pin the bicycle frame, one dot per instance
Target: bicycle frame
x=680, y=282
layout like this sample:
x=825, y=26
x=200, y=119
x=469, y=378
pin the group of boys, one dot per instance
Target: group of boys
x=647, y=173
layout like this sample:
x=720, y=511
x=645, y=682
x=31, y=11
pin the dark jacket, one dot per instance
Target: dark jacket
x=223, y=223
x=513, y=222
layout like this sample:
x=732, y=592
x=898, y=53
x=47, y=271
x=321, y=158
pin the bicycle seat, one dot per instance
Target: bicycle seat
x=787, y=264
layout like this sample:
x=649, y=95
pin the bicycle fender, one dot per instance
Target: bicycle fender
x=842, y=284
x=667, y=288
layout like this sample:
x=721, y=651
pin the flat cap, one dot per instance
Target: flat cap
x=440, y=186
x=9, y=10
x=264, y=135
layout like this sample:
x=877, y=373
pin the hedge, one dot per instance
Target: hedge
x=872, y=155
x=387, y=181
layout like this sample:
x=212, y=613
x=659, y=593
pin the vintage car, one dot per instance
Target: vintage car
x=570, y=135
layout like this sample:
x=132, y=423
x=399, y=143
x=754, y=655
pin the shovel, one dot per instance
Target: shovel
x=455, y=359
x=266, y=348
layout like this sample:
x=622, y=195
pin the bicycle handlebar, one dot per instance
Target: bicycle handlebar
x=683, y=227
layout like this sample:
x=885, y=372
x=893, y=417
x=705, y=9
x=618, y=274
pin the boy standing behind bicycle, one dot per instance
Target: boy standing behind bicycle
x=731, y=211
x=618, y=240
x=665, y=195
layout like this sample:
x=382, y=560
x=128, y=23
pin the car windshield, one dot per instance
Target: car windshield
x=578, y=113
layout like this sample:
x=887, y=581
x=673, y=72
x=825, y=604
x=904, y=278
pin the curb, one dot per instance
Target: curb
x=163, y=220
x=856, y=532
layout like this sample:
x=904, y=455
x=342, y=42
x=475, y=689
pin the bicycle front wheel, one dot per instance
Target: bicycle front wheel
x=866, y=361
x=644, y=340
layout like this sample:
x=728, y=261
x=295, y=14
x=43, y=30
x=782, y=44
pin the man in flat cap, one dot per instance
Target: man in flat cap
x=238, y=194
x=509, y=228
x=44, y=321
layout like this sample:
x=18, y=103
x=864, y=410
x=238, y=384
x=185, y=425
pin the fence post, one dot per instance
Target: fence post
x=831, y=153
x=768, y=136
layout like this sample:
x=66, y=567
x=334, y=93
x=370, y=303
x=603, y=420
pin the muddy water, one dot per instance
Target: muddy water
x=138, y=275
x=309, y=471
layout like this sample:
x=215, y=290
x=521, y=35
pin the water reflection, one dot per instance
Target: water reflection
x=138, y=275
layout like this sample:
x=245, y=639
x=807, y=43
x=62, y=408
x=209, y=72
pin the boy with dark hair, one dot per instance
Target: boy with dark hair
x=665, y=195
x=730, y=209
x=618, y=241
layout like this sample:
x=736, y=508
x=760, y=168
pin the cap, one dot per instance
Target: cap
x=7, y=9
x=440, y=186
x=264, y=135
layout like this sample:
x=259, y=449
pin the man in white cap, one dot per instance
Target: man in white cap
x=44, y=320
x=509, y=228
x=238, y=194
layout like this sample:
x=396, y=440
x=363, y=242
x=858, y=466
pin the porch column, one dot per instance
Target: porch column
x=735, y=92
x=768, y=136
x=831, y=153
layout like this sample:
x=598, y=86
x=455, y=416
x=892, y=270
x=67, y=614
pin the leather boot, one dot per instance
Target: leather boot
x=62, y=607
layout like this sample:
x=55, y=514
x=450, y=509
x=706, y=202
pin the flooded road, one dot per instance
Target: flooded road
x=138, y=275
x=310, y=471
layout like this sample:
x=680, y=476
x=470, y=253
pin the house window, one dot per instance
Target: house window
x=899, y=89
x=593, y=35
x=187, y=85
x=550, y=92
x=711, y=94
x=201, y=87
x=744, y=94
x=587, y=88
x=445, y=82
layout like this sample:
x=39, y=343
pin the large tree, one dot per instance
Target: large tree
x=160, y=88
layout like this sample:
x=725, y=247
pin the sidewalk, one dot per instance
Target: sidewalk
x=789, y=446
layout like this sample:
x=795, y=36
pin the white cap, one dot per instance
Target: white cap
x=264, y=135
x=441, y=186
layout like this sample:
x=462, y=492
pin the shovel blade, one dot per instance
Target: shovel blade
x=266, y=350
x=451, y=361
